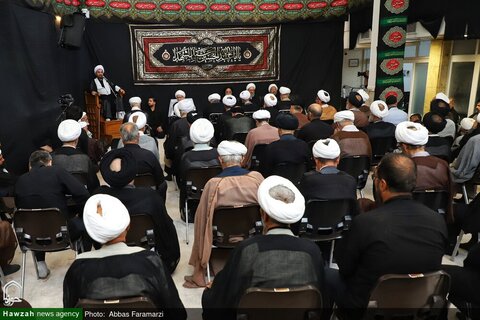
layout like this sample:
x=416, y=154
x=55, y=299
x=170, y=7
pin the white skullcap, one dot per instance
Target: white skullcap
x=375, y=109
x=105, y=217
x=227, y=148
x=326, y=149
x=284, y=90
x=271, y=86
x=141, y=119
x=245, y=95
x=229, y=100
x=69, y=130
x=98, y=68
x=180, y=93
x=134, y=100
x=364, y=95
x=214, y=96
x=411, y=133
x=442, y=96
x=201, y=131
x=282, y=212
x=251, y=85
x=467, y=123
x=261, y=114
x=270, y=100
x=324, y=96
x=343, y=115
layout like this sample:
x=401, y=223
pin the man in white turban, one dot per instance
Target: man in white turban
x=107, y=91
x=432, y=173
x=97, y=275
x=251, y=87
x=269, y=100
x=135, y=106
x=471, y=128
x=272, y=88
x=328, y=111
x=214, y=105
x=352, y=141
x=234, y=186
x=247, y=104
x=262, y=135
x=276, y=252
x=72, y=159
x=380, y=133
x=285, y=101
x=144, y=141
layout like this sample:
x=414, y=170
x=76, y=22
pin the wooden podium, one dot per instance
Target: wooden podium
x=98, y=126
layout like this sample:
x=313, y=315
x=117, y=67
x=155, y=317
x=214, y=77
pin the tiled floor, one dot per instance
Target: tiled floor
x=48, y=292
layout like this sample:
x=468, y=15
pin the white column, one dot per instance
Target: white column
x=372, y=76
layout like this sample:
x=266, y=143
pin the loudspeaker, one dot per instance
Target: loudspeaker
x=72, y=26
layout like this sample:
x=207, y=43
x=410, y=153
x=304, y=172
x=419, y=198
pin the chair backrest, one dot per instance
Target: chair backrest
x=8, y=204
x=381, y=146
x=437, y=200
x=196, y=178
x=284, y=111
x=326, y=219
x=356, y=166
x=144, y=180
x=233, y=224
x=249, y=113
x=410, y=294
x=290, y=171
x=141, y=232
x=41, y=229
x=257, y=156
x=295, y=303
x=114, y=303
x=213, y=117
x=240, y=137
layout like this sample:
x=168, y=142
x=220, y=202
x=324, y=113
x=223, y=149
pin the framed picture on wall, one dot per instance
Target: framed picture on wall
x=352, y=63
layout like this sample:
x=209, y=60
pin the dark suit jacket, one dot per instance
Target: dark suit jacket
x=380, y=129
x=146, y=162
x=401, y=236
x=287, y=149
x=237, y=124
x=328, y=184
x=315, y=130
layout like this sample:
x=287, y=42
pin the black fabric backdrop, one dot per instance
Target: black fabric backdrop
x=35, y=72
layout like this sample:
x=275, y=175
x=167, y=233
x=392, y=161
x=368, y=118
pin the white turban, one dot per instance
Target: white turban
x=343, y=115
x=364, y=95
x=270, y=100
x=261, y=114
x=442, y=96
x=284, y=90
x=411, y=133
x=141, y=119
x=375, y=109
x=271, y=86
x=180, y=93
x=282, y=212
x=186, y=105
x=245, y=95
x=251, y=85
x=201, y=131
x=134, y=101
x=105, y=217
x=467, y=123
x=229, y=100
x=98, y=68
x=231, y=148
x=326, y=149
x=213, y=97
x=324, y=96
x=69, y=130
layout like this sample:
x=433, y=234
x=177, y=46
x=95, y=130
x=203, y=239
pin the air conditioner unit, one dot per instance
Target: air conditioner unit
x=365, y=37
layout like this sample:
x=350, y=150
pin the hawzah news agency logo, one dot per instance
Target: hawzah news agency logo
x=8, y=300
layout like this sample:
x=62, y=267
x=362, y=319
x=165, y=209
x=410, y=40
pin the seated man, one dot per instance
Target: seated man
x=264, y=133
x=144, y=141
x=275, y=259
x=432, y=173
x=118, y=168
x=229, y=101
x=201, y=156
x=467, y=163
x=286, y=150
x=269, y=104
x=237, y=123
x=472, y=132
x=45, y=186
x=328, y=111
x=441, y=106
x=284, y=102
x=436, y=145
x=316, y=129
x=378, y=128
x=354, y=102
x=214, y=105
x=71, y=159
x=395, y=115
x=146, y=161
x=401, y=236
x=135, y=106
x=247, y=104
x=297, y=110
x=115, y=270
x=352, y=141
x=327, y=182
x=233, y=186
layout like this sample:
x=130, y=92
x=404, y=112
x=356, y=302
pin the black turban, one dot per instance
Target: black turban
x=127, y=172
x=287, y=121
x=356, y=99
x=434, y=122
x=440, y=107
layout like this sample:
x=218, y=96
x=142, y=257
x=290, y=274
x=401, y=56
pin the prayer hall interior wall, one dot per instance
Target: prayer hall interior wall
x=35, y=72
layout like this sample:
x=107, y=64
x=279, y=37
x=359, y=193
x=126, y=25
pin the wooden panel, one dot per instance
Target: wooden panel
x=92, y=104
x=110, y=128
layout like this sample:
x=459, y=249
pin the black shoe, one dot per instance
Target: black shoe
x=10, y=268
x=168, y=177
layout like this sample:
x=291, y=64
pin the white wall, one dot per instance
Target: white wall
x=349, y=74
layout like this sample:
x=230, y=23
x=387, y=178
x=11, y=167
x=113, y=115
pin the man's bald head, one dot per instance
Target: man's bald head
x=398, y=171
x=315, y=111
x=130, y=133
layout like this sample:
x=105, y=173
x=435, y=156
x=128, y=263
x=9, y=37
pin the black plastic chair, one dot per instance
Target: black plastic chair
x=294, y=303
x=240, y=137
x=257, y=156
x=114, y=303
x=326, y=221
x=213, y=117
x=141, y=232
x=145, y=180
x=380, y=147
x=195, y=181
x=437, y=200
x=291, y=171
x=358, y=167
